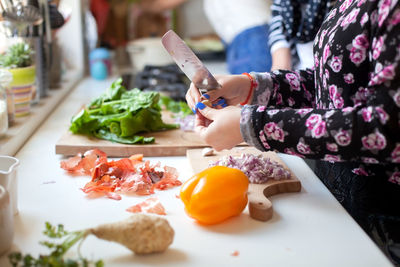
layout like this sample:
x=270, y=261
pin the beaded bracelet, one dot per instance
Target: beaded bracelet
x=252, y=86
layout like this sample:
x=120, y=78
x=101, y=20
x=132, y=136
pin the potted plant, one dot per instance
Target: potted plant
x=18, y=60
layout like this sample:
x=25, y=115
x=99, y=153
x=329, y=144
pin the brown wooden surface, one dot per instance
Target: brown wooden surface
x=260, y=207
x=168, y=143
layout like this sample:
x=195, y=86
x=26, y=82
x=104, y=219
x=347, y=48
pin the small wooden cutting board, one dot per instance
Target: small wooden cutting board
x=260, y=207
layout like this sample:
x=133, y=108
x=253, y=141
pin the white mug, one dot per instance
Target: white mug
x=8, y=179
x=6, y=221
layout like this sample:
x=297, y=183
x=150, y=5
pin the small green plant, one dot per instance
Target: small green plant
x=17, y=56
x=57, y=250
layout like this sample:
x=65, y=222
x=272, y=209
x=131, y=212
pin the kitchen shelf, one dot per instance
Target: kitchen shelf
x=24, y=127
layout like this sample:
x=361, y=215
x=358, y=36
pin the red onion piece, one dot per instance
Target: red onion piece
x=258, y=169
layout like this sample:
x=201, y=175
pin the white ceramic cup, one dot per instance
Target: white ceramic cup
x=8, y=179
x=6, y=221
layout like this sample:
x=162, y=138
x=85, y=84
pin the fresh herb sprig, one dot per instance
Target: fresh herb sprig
x=57, y=250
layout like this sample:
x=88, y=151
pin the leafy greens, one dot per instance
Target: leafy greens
x=118, y=115
x=179, y=108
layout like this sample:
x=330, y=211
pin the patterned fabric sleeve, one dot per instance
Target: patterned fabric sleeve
x=277, y=92
x=280, y=89
x=367, y=131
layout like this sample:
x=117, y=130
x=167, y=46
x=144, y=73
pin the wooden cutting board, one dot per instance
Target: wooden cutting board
x=260, y=207
x=167, y=143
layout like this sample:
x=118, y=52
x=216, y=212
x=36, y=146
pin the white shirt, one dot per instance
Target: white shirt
x=231, y=17
x=306, y=56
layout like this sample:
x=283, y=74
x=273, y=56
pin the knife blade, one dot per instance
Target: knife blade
x=189, y=63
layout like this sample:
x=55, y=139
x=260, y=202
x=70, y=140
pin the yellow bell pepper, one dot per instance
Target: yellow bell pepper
x=215, y=194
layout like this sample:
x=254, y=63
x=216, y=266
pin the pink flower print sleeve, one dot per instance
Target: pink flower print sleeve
x=347, y=108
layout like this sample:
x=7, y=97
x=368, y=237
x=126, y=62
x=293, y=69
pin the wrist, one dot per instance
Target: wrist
x=252, y=85
x=247, y=130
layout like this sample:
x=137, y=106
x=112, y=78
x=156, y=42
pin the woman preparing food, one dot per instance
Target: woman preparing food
x=344, y=112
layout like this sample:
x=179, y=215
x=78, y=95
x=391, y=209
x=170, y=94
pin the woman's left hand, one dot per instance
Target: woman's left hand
x=219, y=128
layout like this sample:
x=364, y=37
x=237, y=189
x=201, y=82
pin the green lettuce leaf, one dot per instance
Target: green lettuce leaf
x=119, y=115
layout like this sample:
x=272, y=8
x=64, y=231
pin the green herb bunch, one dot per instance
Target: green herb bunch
x=55, y=258
x=17, y=56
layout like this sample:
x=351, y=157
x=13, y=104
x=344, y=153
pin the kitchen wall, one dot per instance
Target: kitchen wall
x=191, y=22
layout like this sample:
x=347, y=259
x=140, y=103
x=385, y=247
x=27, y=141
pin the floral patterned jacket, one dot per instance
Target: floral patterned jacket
x=347, y=108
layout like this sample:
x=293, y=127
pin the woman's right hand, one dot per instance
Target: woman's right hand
x=234, y=89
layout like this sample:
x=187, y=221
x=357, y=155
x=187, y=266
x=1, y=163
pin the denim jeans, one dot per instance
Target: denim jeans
x=249, y=51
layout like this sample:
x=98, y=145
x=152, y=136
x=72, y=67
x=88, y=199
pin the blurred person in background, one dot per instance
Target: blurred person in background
x=242, y=25
x=293, y=26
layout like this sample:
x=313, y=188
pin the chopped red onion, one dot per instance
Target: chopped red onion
x=186, y=123
x=258, y=169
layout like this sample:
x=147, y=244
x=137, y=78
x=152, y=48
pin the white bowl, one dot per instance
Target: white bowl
x=148, y=51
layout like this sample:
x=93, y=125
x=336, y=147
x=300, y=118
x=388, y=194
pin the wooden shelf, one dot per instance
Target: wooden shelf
x=24, y=127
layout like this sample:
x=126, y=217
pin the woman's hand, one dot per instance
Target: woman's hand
x=219, y=128
x=234, y=89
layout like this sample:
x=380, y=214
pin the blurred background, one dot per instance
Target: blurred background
x=47, y=47
x=67, y=40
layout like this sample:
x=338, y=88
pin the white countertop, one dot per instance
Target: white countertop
x=308, y=228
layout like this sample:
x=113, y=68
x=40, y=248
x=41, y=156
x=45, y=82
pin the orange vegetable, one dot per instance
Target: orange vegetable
x=215, y=194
